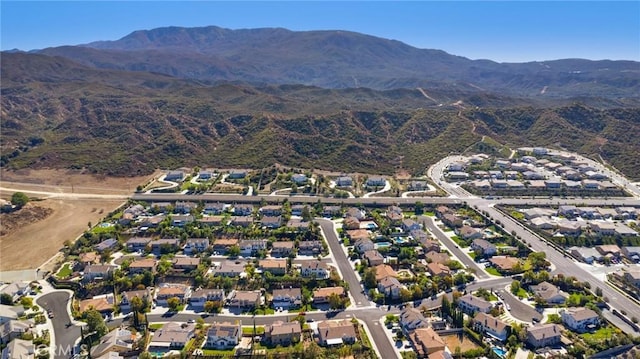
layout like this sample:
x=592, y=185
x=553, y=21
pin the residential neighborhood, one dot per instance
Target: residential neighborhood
x=412, y=278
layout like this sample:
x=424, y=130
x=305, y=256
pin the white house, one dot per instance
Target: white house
x=472, y=304
x=580, y=319
x=223, y=335
x=315, y=269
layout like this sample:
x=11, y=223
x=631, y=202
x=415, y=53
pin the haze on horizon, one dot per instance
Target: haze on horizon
x=516, y=31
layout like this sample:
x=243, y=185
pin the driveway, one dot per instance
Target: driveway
x=65, y=337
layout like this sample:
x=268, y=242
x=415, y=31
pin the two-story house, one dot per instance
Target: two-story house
x=412, y=319
x=494, y=327
x=373, y=257
x=282, y=248
x=471, y=304
x=172, y=335
x=390, y=287
x=283, y=333
x=213, y=208
x=288, y=298
x=137, y=244
x=196, y=245
x=314, y=269
x=223, y=335
x=243, y=299
x=97, y=271
x=336, y=332
x=172, y=290
x=273, y=266
x=544, y=335
x=227, y=269
x=251, y=247
x=125, y=301
x=200, y=296
x=271, y=210
x=242, y=210
x=321, y=295
x=185, y=264
x=484, y=247
x=310, y=248
x=164, y=245
x=580, y=319
x=141, y=265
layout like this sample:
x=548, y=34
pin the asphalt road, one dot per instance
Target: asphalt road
x=519, y=310
x=65, y=337
x=453, y=247
x=348, y=273
x=214, y=197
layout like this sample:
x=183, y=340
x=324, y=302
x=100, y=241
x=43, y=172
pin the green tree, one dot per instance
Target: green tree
x=515, y=287
x=212, y=306
x=233, y=251
x=173, y=303
x=306, y=214
x=95, y=322
x=370, y=278
x=554, y=318
x=19, y=199
x=145, y=355
x=538, y=260
x=335, y=302
x=6, y=299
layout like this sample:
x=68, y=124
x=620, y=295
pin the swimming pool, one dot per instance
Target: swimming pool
x=401, y=240
x=499, y=351
x=383, y=244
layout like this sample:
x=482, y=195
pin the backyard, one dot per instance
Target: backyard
x=462, y=341
x=65, y=271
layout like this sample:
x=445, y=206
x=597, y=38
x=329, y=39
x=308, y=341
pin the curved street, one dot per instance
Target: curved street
x=64, y=337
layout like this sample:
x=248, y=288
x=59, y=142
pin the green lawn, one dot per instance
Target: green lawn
x=493, y=271
x=248, y=330
x=472, y=255
x=155, y=326
x=99, y=229
x=522, y=293
x=460, y=242
x=65, y=271
x=222, y=353
x=429, y=213
x=307, y=308
x=263, y=311
x=600, y=335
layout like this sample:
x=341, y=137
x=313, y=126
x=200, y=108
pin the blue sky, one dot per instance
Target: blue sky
x=513, y=31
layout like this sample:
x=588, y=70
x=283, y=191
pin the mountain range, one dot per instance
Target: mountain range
x=343, y=59
x=213, y=97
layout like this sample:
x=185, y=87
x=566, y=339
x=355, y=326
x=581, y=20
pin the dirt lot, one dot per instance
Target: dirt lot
x=31, y=237
x=71, y=181
x=453, y=341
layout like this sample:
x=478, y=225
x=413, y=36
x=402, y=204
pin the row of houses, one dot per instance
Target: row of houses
x=599, y=253
x=537, y=184
x=227, y=335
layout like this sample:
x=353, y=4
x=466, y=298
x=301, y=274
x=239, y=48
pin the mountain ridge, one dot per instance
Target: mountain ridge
x=57, y=113
x=342, y=59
